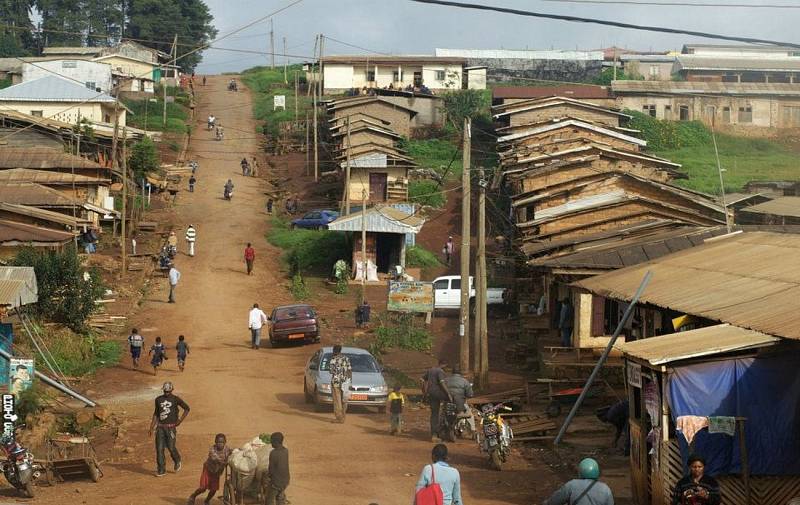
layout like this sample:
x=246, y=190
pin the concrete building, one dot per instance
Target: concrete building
x=739, y=63
x=57, y=98
x=344, y=73
x=650, y=67
x=744, y=107
x=94, y=75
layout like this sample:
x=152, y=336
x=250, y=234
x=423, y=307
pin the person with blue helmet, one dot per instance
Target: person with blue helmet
x=585, y=490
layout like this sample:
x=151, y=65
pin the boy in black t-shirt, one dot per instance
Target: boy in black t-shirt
x=182, y=349
x=396, y=401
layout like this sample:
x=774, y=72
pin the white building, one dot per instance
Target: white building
x=95, y=76
x=342, y=73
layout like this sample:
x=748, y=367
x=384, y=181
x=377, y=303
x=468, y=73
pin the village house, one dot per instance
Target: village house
x=507, y=95
x=50, y=159
x=739, y=107
x=378, y=173
x=42, y=217
x=397, y=116
x=15, y=235
x=783, y=210
x=94, y=75
x=344, y=73
x=539, y=110
x=365, y=133
x=63, y=100
x=43, y=197
x=93, y=190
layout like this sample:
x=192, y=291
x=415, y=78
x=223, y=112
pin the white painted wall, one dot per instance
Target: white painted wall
x=338, y=76
x=346, y=76
x=68, y=112
x=74, y=70
x=476, y=78
x=452, y=76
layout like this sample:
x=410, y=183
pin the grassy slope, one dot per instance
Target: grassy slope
x=148, y=114
x=265, y=83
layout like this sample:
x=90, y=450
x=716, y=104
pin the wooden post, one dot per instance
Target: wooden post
x=482, y=370
x=463, y=330
x=124, y=200
x=314, y=98
x=285, y=64
x=363, y=243
x=347, y=174
x=743, y=454
x=296, y=93
x=321, y=90
x=308, y=165
x=272, y=44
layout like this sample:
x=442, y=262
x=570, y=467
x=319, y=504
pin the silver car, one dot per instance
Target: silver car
x=367, y=388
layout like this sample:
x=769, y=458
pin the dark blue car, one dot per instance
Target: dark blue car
x=315, y=220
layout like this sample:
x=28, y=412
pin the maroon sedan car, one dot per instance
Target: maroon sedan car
x=292, y=323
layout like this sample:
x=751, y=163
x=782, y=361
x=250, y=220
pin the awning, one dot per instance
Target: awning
x=380, y=219
x=719, y=339
x=106, y=213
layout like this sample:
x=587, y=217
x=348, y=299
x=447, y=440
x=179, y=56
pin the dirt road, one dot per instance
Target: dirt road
x=241, y=392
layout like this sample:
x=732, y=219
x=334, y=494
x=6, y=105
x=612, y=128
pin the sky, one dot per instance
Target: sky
x=406, y=27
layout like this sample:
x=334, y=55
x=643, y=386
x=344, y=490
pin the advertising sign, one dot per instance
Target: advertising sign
x=634, y=374
x=20, y=375
x=410, y=296
x=279, y=102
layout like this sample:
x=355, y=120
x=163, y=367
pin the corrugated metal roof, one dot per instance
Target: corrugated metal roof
x=36, y=195
x=377, y=59
x=104, y=130
x=43, y=214
x=367, y=100
x=27, y=290
x=719, y=339
x=782, y=206
x=47, y=178
x=692, y=62
x=380, y=219
x=750, y=280
x=707, y=88
x=525, y=54
x=43, y=158
x=602, y=150
x=648, y=58
x=72, y=50
x=572, y=122
x=556, y=101
x=52, y=89
x=583, y=91
x=13, y=233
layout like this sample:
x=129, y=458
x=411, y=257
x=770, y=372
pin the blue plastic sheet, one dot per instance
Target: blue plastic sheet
x=765, y=390
x=6, y=342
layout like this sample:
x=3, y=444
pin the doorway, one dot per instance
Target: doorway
x=387, y=250
x=377, y=187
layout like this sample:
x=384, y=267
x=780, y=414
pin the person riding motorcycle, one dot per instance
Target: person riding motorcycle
x=211, y=121
x=461, y=389
x=228, y=191
x=220, y=133
x=585, y=490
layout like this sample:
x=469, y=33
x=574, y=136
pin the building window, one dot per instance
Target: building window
x=396, y=76
x=746, y=114
x=370, y=75
x=91, y=85
x=37, y=113
x=726, y=114
x=655, y=71
x=440, y=75
x=794, y=54
x=683, y=113
x=649, y=109
x=791, y=116
x=69, y=64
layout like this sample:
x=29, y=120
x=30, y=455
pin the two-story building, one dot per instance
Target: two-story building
x=94, y=75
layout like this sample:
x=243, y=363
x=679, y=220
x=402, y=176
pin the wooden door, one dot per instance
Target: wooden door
x=640, y=471
x=377, y=187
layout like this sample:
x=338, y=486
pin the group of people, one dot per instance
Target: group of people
x=438, y=388
x=249, y=168
x=170, y=411
x=157, y=352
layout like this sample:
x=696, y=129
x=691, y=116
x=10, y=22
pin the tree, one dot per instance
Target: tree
x=63, y=22
x=144, y=158
x=104, y=22
x=605, y=78
x=465, y=103
x=16, y=34
x=65, y=296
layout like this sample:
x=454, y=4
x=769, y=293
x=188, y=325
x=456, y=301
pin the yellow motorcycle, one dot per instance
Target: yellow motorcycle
x=494, y=435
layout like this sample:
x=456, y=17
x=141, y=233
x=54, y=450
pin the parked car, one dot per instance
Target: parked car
x=447, y=293
x=316, y=220
x=368, y=386
x=293, y=323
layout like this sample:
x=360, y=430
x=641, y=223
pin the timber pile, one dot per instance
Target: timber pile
x=511, y=395
x=147, y=226
x=529, y=427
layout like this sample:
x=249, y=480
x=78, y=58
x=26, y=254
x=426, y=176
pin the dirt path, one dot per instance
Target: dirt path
x=241, y=392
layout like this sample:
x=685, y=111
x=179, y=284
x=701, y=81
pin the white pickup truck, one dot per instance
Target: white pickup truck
x=447, y=293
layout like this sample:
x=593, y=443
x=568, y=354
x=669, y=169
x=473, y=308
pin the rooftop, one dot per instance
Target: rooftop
x=692, y=62
x=576, y=123
x=86, y=51
x=18, y=286
x=782, y=206
x=35, y=195
x=516, y=108
x=708, y=88
x=43, y=214
x=52, y=89
x=381, y=219
x=719, y=339
x=362, y=59
x=580, y=91
x=16, y=233
x=751, y=280
x=43, y=158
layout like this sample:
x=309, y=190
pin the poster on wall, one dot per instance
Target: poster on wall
x=20, y=375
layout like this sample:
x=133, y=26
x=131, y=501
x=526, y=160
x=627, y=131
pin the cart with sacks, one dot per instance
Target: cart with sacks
x=246, y=473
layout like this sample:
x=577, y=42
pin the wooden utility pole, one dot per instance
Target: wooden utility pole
x=313, y=81
x=363, y=243
x=296, y=93
x=285, y=64
x=308, y=151
x=314, y=99
x=124, y=200
x=272, y=43
x=319, y=65
x=463, y=330
x=347, y=173
x=482, y=364
x=615, y=63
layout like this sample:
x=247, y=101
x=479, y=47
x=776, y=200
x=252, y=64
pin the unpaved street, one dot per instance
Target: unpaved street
x=241, y=392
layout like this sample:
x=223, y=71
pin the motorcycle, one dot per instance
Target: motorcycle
x=220, y=134
x=497, y=435
x=454, y=423
x=227, y=194
x=19, y=467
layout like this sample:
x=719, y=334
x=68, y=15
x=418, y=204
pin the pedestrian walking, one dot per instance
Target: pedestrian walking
x=447, y=250
x=439, y=474
x=172, y=242
x=165, y=423
x=215, y=464
x=254, y=167
x=136, y=342
x=249, y=257
x=586, y=489
x=269, y=206
x=192, y=181
x=133, y=245
x=204, y=80
x=396, y=401
x=245, y=167
x=341, y=375
x=434, y=388
x=191, y=238
x=174, y=277
x=182, y=351
x=362, y=314
x=278, y=471
x=257, y=319
x=158, y=354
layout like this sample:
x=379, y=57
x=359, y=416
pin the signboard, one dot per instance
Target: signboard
x=20, y=375
x=6, y=339
x=410, y=296
x=279, y=102
x=634, y=373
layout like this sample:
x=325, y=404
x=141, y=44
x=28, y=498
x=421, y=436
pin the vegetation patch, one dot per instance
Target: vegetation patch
x=398, y=331
x=418, y=256
x=426, y=192
x=266, y=83
x=148, y=114
x=308, y=250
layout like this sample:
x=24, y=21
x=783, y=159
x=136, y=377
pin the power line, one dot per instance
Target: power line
x=674, y=4
x=356, y=47
x=617, y=24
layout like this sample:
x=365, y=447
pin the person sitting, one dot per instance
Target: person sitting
x=697, y=488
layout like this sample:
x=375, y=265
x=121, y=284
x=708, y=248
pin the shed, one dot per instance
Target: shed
x=386, y=228
x=17, y=287
x=741, y=379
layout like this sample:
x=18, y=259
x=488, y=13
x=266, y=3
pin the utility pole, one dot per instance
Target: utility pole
x=124, y=200
x=296, y=93
x=320, y=76
x=285, y=64
x=363, y=243
x=173, y=57
x=615, y=63
x=308, y=151
x=463, y=329
x=314, y=98
x=347, y=173
x=313, y=82
x=272, y=43
x=482, y=369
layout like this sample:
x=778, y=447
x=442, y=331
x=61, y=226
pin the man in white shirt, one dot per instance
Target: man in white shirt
x=257, y=320
x=191, y=236
x=174, y=277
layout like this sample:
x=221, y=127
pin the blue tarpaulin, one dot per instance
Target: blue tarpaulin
x=6, y=341
x=765, y=390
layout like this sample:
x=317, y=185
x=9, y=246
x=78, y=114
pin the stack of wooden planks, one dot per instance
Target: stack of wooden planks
x=528, y=426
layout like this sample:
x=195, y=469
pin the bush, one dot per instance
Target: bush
x=426, y=192
x=436, y=154
x=417, y=256
x=64, y=296
x=308, y=249
x=299, y=288
x=467, y=103
x=669, y=134
x=144, y=158
x=398, y=331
